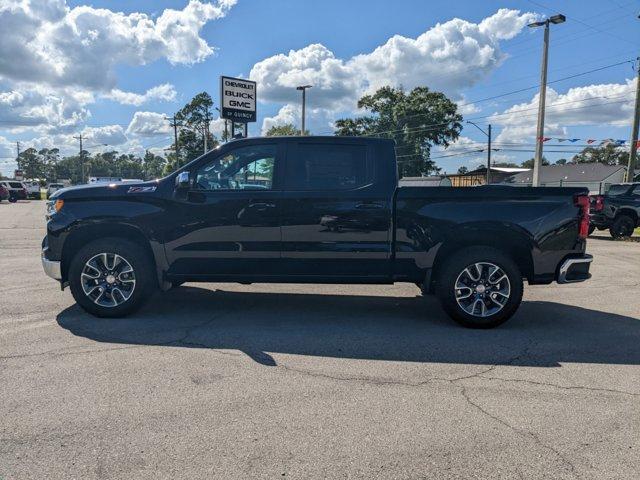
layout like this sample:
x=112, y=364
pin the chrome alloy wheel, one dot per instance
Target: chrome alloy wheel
x=482, y=289
x=108, y=279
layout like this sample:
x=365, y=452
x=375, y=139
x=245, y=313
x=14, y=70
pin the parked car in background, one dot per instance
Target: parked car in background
x=53, y=187
x=618, y=210
x=4, y=193
x=331, y=211
x=33, y=189
x=16, y=190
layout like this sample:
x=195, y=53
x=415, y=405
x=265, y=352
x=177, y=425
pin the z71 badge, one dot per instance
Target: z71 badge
x=141, y=189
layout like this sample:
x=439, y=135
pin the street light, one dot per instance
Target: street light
x=488, y=134
x=303, y=88
x=537, y=163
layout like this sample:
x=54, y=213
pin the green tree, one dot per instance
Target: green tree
x=505, y=165
x=462, y=170
x=152, y=166
x=529, y=163
x=194, y=118
x=50, y=158
x=70, y=168
x=31, y=163
x=285, y=130
x=561, y=161
x=416, y=121
x=607, y=154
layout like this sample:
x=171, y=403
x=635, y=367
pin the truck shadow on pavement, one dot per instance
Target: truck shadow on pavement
x=541, y=334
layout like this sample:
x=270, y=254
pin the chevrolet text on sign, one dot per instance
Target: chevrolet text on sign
x=238, y=98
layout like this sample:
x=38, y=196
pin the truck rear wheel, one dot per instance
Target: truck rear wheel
x=480, y=287
x=111, y=277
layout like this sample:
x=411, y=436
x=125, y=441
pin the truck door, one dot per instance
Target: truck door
x=228, y=222
x=336, y=218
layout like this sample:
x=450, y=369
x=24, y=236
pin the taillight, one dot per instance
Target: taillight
x=584, y=203
x=598, y=203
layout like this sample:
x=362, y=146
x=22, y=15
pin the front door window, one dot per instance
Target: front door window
x=246, y=168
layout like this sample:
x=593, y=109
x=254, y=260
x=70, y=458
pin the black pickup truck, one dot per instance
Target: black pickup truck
x=314, y=210
x=618, y=210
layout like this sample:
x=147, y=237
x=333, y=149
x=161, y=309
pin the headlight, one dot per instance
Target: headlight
x=54, y=206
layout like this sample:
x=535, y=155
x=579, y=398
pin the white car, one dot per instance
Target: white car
x=53, y=187
x=33, y=189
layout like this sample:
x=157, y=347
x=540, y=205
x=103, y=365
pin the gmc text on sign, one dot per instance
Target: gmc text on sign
x=238, y=99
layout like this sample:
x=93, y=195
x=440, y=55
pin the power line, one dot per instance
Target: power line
x=507, y=94
x=583, y=23
x=437, y=125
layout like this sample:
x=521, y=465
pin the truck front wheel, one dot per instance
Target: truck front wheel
x=111, y=277
x=480, y=287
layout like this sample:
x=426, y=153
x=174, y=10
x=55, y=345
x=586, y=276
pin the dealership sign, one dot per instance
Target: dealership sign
x=238, y=99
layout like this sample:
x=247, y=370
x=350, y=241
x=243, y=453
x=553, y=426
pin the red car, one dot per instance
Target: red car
x=4, y=193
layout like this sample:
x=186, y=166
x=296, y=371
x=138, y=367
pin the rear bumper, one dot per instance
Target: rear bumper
x=575, y=269
x=599, y=220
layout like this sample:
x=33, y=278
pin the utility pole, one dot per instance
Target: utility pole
x=489, y=155
x=18, y=149
x=205, y=129
x=303, y=88
x=634, y=131
x=81, y=157
x=488, y=134
x=174, y=124
x=537, y=163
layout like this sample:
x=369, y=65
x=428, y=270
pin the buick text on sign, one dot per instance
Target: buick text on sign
x=238, y=99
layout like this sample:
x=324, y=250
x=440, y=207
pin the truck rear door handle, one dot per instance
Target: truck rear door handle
x=261, y=205
x=369, y=206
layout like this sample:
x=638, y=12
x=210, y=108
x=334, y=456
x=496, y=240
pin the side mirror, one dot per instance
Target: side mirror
x=182, y=180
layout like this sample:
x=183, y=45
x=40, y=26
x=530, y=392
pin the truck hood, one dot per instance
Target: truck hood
x=115, y=189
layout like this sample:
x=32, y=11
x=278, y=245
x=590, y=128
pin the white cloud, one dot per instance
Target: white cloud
x=216, y=127
x=165, y=92
x=110, y=135
x=448, y=57
x=288, y=114
x=607, y=104
x=38, y=105
x=148, y=124
x=59, y=45
x=56, y=60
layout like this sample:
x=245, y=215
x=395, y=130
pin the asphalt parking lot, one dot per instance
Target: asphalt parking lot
x=294, y=381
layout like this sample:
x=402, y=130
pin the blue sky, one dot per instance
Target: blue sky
x=254, y=38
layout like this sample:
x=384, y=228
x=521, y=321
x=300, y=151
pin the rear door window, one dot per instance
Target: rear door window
x=318, y=166
x=15, y=185
x=617, y=190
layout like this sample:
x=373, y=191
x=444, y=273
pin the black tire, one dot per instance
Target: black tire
x=592, y=228
x=13, y=199
x=446, y=288
x=622, y=227
x=143, y=269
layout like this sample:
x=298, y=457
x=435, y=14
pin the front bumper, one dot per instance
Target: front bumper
x=575, y=269
x=51, y=267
